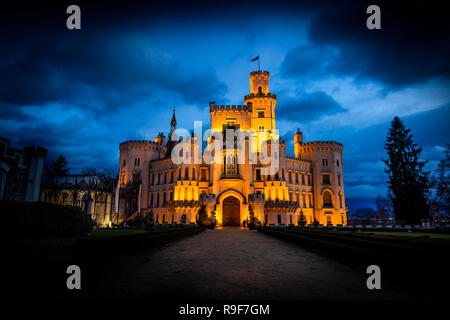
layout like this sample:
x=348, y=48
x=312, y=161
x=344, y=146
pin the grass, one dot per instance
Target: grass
x=107, y=233
x=409, y=234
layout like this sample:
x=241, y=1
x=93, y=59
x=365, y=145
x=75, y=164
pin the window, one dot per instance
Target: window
x=325, y=162
x=171, y=176
x=290, y=219
x=258, y=174
x=327, y=203
x=231, y=166
x=339, y=179
x=310, y=200
x=186, y=173
x=282, y=174
x=193, y=173
x=157, y=200
x=337, y=163
x=276, y=176
x=165, y=177
x=279, y=219
x=151, y=199
x=342, y=220
x=164, y=199
x=304, y=201
x=290, y=177
x=326, y=179
x=261, y=128
x=340, y=200
x=259, y=89
x=203, y=174
x=328, y=219
x=296, y=178
x=309, y=180
x=303, y=179
x=260, y=114
x=124, y=163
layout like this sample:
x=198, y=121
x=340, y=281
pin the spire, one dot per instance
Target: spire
x=173, y=123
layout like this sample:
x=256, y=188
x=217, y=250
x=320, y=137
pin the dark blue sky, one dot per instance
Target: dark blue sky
x=83, y=92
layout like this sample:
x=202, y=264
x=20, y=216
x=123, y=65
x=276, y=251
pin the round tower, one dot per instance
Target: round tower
x=298, y=139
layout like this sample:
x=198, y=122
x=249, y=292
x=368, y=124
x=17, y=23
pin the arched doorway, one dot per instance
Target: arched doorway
x=231, y=212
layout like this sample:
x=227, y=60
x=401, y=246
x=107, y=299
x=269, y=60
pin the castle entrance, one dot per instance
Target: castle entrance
x=231, y=212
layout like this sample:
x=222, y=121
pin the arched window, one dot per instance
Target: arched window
x=193, y=173
x=231, y=167
x=327, y=203
x=186, y=173
x=259, y=89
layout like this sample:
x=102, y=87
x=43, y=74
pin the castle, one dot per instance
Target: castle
x=308, y=187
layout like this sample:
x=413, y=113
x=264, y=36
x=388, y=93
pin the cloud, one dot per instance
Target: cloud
x=308, y=106
x=100, y=72
x=402, y=53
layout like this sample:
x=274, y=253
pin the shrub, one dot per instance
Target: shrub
x=40, y=219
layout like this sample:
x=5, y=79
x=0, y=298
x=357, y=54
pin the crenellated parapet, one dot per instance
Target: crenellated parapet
x=259, y=73
x=260, y=95
x=230, y=108
x=323, y=146
x=139, y=145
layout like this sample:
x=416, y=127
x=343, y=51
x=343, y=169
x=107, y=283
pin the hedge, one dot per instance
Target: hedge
x=43, y=220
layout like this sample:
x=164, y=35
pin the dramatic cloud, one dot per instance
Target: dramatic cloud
x=308, y=106
x=404, y=52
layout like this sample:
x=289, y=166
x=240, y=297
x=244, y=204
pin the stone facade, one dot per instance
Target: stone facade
x=20, y=172
x=93, y=195
x=310, y=184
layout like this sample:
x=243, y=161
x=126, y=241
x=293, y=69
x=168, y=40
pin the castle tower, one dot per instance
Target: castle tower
x=298, y=139
x=263, y=106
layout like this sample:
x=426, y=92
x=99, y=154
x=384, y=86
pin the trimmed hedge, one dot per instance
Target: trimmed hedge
x=43, y=220
x=134, y=242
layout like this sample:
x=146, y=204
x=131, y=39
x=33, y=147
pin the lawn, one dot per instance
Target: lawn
x=106, y=233
x=394, y=234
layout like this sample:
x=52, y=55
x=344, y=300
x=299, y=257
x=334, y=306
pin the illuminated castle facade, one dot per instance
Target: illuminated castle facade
x=306, y=188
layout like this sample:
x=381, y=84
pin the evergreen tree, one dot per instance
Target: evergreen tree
x=384, y=208
x=408, y=181
x=59, y=167
x=442, y=184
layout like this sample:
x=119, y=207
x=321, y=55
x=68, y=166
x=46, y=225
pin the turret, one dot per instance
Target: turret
x=259, y=82
x=298, y=139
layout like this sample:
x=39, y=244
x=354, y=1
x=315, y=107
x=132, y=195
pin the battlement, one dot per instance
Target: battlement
x=259, y=72
x=237, y=108
x=322, y=143
x=138, y=144
x=260, y=95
